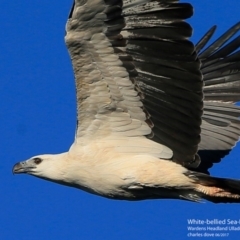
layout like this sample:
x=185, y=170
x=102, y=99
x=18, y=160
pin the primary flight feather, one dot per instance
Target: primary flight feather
x=154, y=112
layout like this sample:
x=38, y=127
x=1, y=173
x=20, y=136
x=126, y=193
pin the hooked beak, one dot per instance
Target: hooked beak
x=22, y=167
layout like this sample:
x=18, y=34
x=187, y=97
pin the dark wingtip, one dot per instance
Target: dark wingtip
x=205, y=39
x=220, y=41
x=71, y=12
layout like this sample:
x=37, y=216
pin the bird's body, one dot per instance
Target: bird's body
x=131, y=177
x=144, y=129
x=104, y=169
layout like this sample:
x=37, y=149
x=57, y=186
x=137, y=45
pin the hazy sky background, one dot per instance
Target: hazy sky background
x=37, y=110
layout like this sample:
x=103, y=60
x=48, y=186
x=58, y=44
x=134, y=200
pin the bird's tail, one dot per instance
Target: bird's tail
x=214, y=189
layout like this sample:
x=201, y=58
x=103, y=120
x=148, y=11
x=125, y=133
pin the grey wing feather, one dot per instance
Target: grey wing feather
x=221, y=118
x=103, y=84
x=133, y=61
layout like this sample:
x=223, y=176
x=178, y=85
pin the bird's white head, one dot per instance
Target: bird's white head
x=43, y=166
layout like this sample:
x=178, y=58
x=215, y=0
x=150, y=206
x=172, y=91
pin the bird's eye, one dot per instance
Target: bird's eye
x=37, y=160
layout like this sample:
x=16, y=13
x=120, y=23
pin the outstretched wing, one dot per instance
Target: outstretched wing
x=221, y=118
x=136, y=73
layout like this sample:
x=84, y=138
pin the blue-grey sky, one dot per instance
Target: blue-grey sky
x=37, y=110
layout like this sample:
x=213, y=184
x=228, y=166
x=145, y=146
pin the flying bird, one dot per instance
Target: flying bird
x=154, y=112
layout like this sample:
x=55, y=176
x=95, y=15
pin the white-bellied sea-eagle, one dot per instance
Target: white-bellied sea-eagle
x=154, y=112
